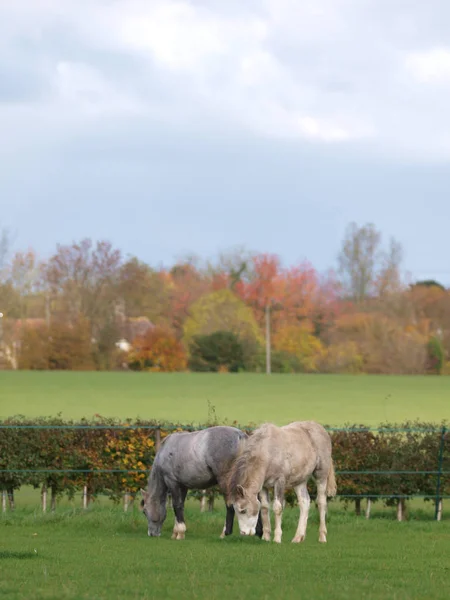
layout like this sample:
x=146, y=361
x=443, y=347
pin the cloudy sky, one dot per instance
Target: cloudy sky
x=191, y=126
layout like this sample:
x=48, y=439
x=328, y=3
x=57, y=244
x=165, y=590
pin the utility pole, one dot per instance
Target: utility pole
x=268, y=356
x=1, y=337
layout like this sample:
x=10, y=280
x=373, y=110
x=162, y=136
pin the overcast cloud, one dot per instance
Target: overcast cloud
x=172, y=126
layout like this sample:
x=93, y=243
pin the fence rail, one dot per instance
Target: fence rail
x=390, y=462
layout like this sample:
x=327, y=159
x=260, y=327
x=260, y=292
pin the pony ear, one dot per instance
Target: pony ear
x=144, y=494
x=240, y=491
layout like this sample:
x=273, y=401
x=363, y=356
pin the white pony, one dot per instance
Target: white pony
x=281, y=458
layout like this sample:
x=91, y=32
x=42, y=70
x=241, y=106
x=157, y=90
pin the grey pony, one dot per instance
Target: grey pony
x=190, y=460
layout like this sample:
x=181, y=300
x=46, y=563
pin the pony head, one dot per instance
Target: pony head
x=155, y=512
x=247, y=507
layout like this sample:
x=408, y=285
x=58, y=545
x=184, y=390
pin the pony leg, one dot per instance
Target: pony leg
x=259, y=526
x=304, y=502
x=278, y=510
x=322, y=504
x=265, y=506
x=178, y=499
x=229, y=520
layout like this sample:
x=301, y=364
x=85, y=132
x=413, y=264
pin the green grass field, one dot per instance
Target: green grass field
x=105, y=554
x=245, y=398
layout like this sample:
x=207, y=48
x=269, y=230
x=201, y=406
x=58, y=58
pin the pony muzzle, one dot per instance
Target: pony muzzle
x=151, y=534
x=250, y=532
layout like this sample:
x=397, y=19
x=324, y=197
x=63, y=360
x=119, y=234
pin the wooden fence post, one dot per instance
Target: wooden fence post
x=157, y=438
x=85, y=496
x=44, y=498
x=401, y=509
x=438, y=499
x=4, y=501
x=439, y=511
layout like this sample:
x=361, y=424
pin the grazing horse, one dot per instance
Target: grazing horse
x=190, y=460
x=281, y=458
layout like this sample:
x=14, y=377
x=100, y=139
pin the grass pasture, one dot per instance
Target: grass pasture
x=245, y=398
x=104, y=553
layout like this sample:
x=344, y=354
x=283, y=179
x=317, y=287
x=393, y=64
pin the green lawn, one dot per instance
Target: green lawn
x=105, y=554
x=183, y=397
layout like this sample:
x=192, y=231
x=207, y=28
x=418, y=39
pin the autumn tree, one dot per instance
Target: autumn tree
x=186, y=285
x=26, y=278
x=34, y=348
x=384, y=344
x=363, y=264
x=388, y=279
x=144, y=292
x=221, y=311
x=70, y=346
x=60, y=346
x=299, y=341
x=232, y=268
x=264, y=292
x=84, y=277
x=83, y=282
x=157, y=350
x=327, y=304
x=300, y=294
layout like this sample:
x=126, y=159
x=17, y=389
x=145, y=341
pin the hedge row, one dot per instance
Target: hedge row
x=112, y=457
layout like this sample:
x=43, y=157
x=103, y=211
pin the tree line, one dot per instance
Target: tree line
x=113, y=458
x=88, y=307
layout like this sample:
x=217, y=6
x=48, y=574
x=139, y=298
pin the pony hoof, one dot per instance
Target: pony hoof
x=323, y=539
x=277, y=541
x=298, y=539
x=266, y=537
x=180, y=536
x=174, y=536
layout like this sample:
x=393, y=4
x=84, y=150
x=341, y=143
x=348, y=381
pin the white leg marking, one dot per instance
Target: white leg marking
x=222, y=535
x=322, y=504
x=304, y=504
x=265, y=514
x=278, y=510
x=178, y=531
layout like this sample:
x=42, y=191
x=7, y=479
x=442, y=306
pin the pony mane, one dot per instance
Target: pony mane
x=250, y=457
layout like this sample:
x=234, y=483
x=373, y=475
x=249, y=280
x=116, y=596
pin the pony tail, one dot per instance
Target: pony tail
x=331, y=482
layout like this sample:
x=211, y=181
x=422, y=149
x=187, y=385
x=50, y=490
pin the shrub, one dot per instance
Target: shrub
x=298, y=341
x=221, y=311
x=221, y=350
x=157, y=350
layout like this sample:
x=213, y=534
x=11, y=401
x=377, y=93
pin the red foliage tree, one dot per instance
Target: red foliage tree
x=265, y=287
